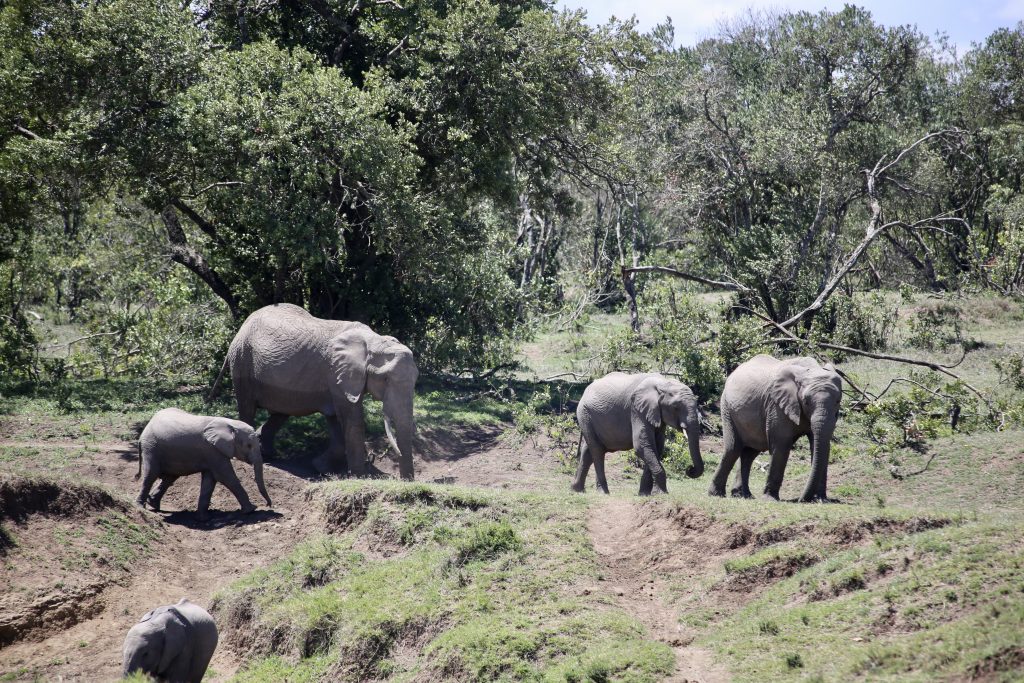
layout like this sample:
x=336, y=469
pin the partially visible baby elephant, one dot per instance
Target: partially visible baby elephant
x=176, y=443
x=620, y=411
x=767, y=404
x=173, y=643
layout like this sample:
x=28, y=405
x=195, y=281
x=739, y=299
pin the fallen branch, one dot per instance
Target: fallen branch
x=721, y=284
x=81, y=339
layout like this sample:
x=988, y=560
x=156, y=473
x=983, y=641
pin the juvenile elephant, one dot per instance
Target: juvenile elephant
x=287, y=361
x=176, y=443
x=768, y=404
x=173, y=643
x=621, y=411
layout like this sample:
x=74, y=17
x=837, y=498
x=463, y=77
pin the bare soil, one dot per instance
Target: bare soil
x=643, y=551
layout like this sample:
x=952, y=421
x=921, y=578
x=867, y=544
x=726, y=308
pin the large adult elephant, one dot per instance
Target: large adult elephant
x=622, y=411
x=290, y=363
x=767, y=404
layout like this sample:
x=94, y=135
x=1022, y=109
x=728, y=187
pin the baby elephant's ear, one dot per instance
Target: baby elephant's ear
x=221, y=436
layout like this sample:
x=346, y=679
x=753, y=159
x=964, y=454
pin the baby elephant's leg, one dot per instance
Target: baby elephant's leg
x=161, y=489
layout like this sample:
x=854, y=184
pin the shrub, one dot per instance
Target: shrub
x=678, y=339
x=862, y=323
x=936, y=327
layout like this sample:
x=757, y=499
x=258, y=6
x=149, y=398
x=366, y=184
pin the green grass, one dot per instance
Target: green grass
x=933, y=605
x=441, y=582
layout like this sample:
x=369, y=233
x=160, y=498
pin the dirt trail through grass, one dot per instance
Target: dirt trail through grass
x=639, y=553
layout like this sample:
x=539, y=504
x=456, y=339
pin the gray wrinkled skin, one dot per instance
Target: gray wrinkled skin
x=622, y=411
x=173, y=643
x=768, y=404
x=176, y=444
x=290, y=363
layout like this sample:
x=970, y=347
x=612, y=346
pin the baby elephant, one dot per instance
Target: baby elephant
x=176, y=443
x=620, y=411
x=173, y=643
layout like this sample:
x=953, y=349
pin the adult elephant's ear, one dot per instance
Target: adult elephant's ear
x=785, y=394
x=348, y=359
x=647, y=401
x=221, y=435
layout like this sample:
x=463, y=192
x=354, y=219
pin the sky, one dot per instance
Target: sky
x=964, y=21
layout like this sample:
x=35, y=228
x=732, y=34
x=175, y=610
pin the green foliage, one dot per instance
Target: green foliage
x=1011, y=369
x=937, y=326
x=676, y=340
x=865, y=323
x=922, y=412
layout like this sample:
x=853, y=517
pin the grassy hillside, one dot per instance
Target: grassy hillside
x=488, y=568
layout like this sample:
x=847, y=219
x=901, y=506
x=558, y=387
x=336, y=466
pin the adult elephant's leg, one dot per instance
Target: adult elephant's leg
x=776, y=471
x=225, y=474
x=731, y=451
x=335, y=452
x=647, y=477
x=158, y=495
x=741, y=484
x=598, y=453
x=646, y=481
x=245, y=399
x=354, y=423
x=585, y=461
x=267, y=432
x=149, y=475
x=205, y=494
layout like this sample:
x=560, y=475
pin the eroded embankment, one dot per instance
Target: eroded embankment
x=427, y=582
x=666, y=562
x=63, y=543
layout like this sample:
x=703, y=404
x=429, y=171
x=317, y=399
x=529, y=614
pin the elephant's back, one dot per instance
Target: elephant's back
x=283, y=346
x=171, y=426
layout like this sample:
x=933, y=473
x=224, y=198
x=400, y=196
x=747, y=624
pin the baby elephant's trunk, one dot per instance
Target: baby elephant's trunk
x=257, y=474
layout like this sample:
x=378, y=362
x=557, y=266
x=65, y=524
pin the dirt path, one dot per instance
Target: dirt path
x=640, y=552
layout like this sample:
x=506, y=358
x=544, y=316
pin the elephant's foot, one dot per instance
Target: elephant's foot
x=247, y=509
x=768, y=495
x=604, y=490
x=202, y=516
x=577, y=487
x=740, y=492
x=154, y=504
x=716, y=491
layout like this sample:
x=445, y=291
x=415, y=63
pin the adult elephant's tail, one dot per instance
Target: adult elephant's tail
x=216, y=383
x=139, y=473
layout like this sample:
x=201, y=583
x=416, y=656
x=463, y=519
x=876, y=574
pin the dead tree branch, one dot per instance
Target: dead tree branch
x=720, y=284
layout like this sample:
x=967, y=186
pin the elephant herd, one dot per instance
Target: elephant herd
x=766, y=405
x=290, y=363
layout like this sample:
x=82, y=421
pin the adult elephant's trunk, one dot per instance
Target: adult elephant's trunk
x=693, y=440
x=400, y=427
x=822, y=426
x=256, y=459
